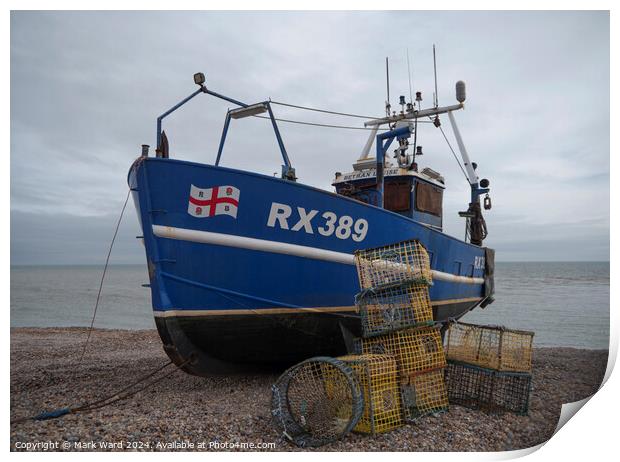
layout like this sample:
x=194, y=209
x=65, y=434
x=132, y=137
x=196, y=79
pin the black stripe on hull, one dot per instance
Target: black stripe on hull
x=278, y=340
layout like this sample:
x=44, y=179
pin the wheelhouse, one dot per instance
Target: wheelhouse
x=416, y=195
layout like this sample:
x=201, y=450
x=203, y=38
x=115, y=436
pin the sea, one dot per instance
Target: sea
x=565, y=304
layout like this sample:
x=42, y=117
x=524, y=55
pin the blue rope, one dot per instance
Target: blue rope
x=52, y=414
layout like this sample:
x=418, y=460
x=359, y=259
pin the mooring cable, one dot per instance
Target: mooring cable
x=142, y=379
x=105, y=268
x=114, y=398
x=110, y=399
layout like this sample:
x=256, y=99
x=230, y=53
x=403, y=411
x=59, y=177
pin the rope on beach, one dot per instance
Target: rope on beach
x=105, y=268
x=117, y=396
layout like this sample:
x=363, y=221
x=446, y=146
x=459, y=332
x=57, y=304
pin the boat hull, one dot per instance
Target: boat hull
x=280, y=339
x=261, y=285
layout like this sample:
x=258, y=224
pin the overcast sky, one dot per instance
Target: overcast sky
x=87, y=87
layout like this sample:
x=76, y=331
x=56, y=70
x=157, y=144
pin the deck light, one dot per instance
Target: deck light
x=199, y=78
x=460, y=91
x=248, y=111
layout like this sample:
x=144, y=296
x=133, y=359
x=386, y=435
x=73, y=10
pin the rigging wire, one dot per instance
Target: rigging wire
x=454, y=153
x=324, y=111
x=346, y=127
x=105, y=268
x=314, y=124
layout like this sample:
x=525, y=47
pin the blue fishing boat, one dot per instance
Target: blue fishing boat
x=249, y=268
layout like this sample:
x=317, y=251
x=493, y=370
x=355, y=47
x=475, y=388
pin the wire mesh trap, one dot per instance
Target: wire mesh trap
x=424, y=393
x=316, y=402
x=392, y=308
x=492, y=347
x=415, y=350
x=479, y=388
x=378, y=379
x=393, y=264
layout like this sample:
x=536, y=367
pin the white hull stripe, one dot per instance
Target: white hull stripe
x=263, y=245
x=268, y=311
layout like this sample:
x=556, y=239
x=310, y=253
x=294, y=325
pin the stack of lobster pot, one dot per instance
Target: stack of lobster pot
x=399, y=360
x=489, y=367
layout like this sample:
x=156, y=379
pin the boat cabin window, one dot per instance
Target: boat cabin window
x=397, y=196
x=428, y=198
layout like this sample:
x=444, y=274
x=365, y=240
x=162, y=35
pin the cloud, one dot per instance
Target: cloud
x=86, y=88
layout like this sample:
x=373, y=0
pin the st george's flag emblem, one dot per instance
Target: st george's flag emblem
x=218, y=200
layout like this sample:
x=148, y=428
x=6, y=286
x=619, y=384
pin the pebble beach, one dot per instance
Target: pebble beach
x=232, y=412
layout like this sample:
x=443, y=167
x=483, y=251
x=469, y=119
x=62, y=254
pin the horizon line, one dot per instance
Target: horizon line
x=144, y=263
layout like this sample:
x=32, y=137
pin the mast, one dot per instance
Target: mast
x=388, y=106
x=435, y=95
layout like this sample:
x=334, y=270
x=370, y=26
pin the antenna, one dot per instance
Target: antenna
x=388, y=106
x=409, y=72
x=415, y=130
x=436, y=97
